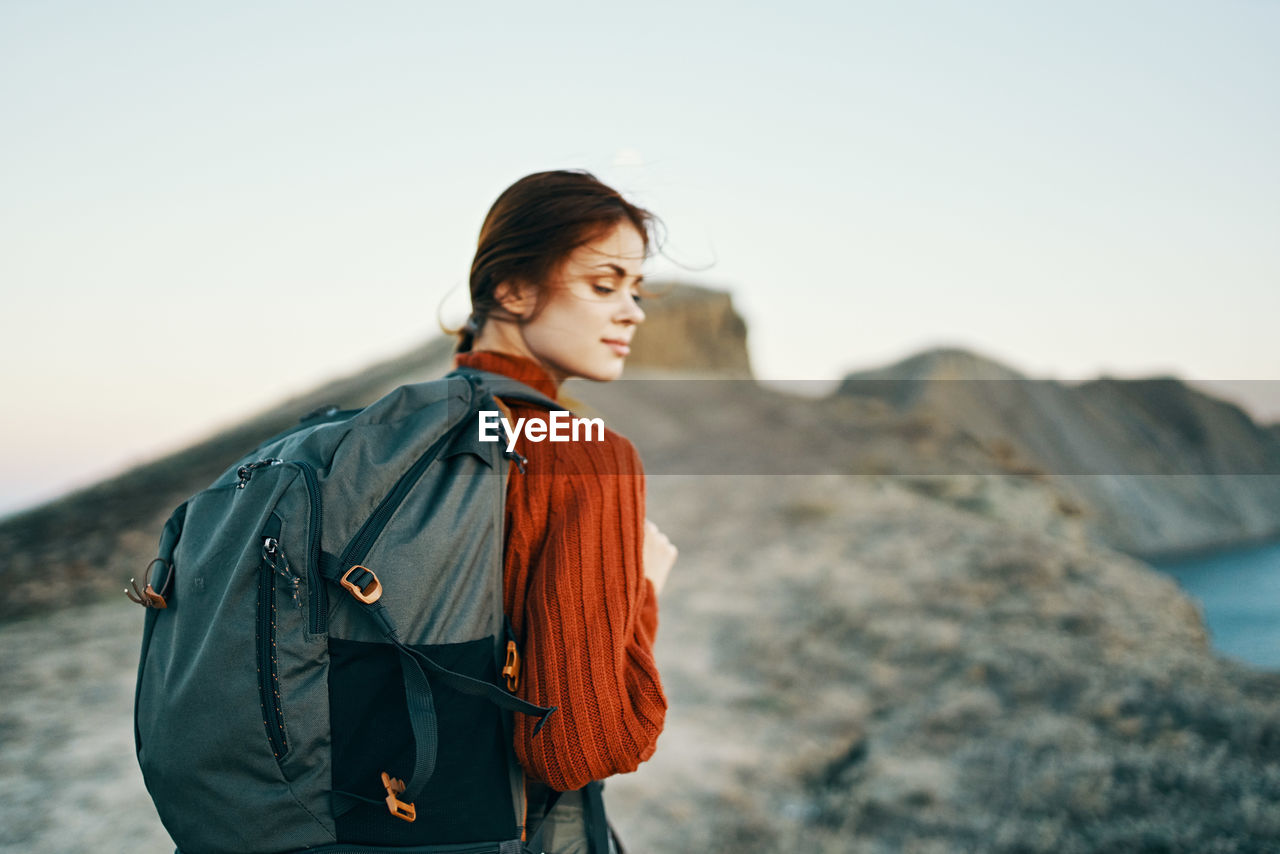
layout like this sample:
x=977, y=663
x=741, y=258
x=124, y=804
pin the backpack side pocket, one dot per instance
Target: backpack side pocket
x=232, y=707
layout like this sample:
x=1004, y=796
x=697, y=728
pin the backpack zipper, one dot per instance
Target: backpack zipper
x=245, y=472
x=318, y=598
x=363, y=541
x=268, y=675
x=318, y=619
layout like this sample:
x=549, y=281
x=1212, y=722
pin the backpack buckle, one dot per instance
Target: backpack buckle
x=147, y=597
x=511, y=669
x=398, y=808
x=367, y=590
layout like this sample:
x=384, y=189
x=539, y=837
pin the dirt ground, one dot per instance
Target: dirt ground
x=69, y=781
x=850, y=666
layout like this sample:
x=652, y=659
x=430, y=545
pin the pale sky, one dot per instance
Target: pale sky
x=206, y=207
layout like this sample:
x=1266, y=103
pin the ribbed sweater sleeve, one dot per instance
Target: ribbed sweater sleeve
x=582, y=609
x=589, y=621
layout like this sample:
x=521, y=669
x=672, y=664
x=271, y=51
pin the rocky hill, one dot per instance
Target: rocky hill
x=87, y=544
x=1159, y=467
x=910, y=642
x=691, y=331
x=79, y=547
x=855, y=666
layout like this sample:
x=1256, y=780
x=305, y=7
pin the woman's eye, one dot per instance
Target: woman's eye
x=602, y=290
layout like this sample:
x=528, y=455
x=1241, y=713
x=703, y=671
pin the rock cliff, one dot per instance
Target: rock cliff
x=1157, y=466
x=690, y=330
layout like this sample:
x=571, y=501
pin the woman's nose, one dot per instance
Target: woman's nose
x=633, y=313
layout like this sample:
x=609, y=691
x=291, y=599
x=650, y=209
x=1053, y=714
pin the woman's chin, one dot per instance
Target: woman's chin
x=606, y=373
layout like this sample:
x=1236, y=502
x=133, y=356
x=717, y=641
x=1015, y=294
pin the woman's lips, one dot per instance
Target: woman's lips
x=619, y=347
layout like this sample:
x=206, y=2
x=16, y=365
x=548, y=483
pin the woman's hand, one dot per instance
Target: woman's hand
x=659, y=555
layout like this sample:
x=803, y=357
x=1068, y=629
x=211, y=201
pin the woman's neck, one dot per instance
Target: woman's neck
x=499, y=337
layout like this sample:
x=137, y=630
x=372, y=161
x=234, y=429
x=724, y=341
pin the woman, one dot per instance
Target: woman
x=555, y=292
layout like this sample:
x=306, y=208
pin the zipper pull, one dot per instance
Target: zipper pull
x=246, y=472
x=273, y=556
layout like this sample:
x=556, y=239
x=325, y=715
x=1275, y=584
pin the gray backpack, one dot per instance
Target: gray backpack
x=325, y=661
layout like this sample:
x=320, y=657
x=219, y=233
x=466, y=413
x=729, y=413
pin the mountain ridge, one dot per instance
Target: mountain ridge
x=1166, y=467
x=917, y=417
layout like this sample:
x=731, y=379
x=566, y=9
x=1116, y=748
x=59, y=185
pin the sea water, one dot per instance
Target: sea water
x=1239, y=593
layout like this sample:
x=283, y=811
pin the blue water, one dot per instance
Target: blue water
x=1239, y=593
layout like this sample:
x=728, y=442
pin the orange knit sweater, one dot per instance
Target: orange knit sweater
x=583, y=611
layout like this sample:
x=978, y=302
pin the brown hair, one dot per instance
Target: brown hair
x=533, y=227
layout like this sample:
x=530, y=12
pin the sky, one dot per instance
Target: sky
x=207, y=207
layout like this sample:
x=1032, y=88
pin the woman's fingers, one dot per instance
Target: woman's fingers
x=659, y=555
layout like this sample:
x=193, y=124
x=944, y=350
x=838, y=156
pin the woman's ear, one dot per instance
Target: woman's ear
x=516, y=297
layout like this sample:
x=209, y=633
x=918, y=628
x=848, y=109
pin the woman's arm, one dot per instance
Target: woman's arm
x=590, y=616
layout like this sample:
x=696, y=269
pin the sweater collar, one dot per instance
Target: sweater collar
x=519, y=368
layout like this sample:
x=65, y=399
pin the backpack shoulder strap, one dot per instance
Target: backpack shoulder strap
x=497, y=385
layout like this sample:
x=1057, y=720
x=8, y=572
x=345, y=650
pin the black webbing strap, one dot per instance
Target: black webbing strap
x=535, y=830
x=423, y=720
x=597, y=822
x=422, y=711
x=426, y=738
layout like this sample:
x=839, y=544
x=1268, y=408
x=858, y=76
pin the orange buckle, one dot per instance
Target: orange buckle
x=511, y=669
x=398, y=808
x=371, y=591
x=147, y=597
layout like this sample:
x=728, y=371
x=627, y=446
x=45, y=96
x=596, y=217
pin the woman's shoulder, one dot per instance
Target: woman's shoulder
x=564, y=442
x=557, y=441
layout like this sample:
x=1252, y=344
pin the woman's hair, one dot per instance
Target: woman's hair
x=533, y=227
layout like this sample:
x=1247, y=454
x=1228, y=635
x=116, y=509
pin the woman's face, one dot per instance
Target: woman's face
x=590, y=309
